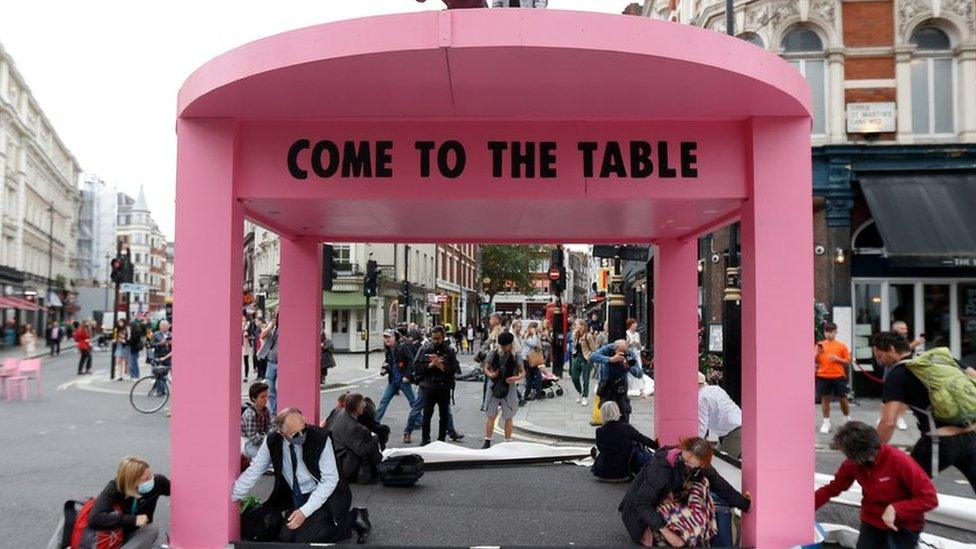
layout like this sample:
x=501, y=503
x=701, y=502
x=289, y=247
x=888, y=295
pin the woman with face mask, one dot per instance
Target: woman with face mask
x=669, y=501
x=128, y=502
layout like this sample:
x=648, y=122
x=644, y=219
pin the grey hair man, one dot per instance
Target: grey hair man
x=307, y=487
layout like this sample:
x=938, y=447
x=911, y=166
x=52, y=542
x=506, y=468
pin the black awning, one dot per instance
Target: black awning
x=924, y=216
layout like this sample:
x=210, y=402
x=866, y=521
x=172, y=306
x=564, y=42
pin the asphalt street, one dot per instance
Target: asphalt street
x=67, y=444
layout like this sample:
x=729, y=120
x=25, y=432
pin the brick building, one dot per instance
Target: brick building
x=894, y=158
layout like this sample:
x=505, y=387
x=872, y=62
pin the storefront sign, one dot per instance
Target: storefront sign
x=870, y=117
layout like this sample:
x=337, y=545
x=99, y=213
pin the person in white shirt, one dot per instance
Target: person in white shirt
x=719, y=415
x=308, y=490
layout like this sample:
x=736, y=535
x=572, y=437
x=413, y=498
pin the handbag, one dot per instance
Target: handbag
x=535, y=359
x=401, y=471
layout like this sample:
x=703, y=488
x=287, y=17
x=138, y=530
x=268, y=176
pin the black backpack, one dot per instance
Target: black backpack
x=261, y=524
x=401, y=471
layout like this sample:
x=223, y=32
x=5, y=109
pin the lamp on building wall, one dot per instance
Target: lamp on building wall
x=701, y=265
x=840, y=256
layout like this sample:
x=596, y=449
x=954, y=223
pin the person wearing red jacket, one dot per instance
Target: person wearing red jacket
x=82, y=338
x=896, y=491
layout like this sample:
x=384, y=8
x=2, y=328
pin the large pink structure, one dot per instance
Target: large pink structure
x=637, y=130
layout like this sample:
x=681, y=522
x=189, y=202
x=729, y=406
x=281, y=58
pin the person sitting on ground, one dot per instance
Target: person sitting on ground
x=308, y=490
x=621, y=450
x=256, y=419
x=128, y=502
x=357, y=450
x=504, y=370
x=669, y=500
x=896, y=491
x=719, y=415
x=367, y=419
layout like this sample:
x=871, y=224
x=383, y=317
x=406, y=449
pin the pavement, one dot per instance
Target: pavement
x=67, y=443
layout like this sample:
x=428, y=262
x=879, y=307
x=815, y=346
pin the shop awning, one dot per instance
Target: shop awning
x=7, y=302
x=53, y=300
x=926, y=217
x=343, y=300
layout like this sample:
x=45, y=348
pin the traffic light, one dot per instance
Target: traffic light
x=405, y=293
x=329, y=260
x=128, y=269
x=371, y=279
x=117, y=265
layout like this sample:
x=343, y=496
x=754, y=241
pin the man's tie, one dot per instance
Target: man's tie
x=296, y=489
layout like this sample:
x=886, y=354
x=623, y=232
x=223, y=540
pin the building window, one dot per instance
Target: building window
x=343, y=252
x=803, y=48
x=932, y=82
x=753, y=39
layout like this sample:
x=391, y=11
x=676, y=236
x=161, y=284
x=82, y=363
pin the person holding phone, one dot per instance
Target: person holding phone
x=436, y=365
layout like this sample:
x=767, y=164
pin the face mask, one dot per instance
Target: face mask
x=146, y=487
x=298, y=438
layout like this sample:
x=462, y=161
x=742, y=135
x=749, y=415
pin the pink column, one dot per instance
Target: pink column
x=675, y=340
x=300, y=314
x=777, y=335
x=205, y=428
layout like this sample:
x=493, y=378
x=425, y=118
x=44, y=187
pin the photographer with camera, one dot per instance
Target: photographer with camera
x=616, y=360
x=435, y=366
x=399, y=357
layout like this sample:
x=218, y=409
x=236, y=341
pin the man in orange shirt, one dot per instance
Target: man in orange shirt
x=833, y=359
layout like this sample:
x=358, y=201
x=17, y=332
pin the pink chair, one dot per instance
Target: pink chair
x=8, y=370
x=31, y=370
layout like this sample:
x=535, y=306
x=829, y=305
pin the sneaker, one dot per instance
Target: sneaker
x=585, y=402
x=456, y=437
x=579, y=400
x=486, y=445
x=901, y=423
x=825, y=427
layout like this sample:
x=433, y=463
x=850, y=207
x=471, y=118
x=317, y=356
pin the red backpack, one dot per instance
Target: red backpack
x=76, y=522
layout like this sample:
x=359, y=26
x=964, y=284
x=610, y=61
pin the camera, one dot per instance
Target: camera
x=631, y=362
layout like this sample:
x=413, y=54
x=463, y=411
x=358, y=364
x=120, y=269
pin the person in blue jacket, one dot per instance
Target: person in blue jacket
x=616, y=361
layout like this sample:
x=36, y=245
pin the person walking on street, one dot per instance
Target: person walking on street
x=584, y=343
x=269, y=353
x=137, y=334
x=896, y=491
x=943, y=443
x=532, y=359
x=82, y=339
x=504, y=370
x=833, y=358
x=436, y=365
x=29, y=341
x=120, y=349
x=161, y=347
x=490, y=344
x=246, y=348
x=260, y=363
x=53, y=337
x=327, y=357
x=399, y=358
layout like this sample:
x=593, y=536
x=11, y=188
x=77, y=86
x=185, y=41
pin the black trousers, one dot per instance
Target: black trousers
x=55, y=345
x=318, y=528
x=247, y=366
x=957, y=451
x=261, y=366
x=441, y=396
x=84, y=362
x=876, y=538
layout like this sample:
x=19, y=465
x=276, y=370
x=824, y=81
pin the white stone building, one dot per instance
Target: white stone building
x=139, y=233
x=39, y=202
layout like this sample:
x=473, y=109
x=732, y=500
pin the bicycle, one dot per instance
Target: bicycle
x=150, y=393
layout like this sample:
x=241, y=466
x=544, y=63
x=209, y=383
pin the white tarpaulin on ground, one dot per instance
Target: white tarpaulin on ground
x=443, y=452
x=845, y=536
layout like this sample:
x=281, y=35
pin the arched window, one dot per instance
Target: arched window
x=753, y=39
x=867, y=237
x=804, y=49
x=932, y=102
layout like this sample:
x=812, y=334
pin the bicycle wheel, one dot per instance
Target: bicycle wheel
x=144, y=397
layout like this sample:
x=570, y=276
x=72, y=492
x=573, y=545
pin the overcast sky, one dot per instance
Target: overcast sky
x=106, y=72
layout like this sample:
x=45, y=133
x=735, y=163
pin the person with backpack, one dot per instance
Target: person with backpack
x=504, y=371
x=897, y=493
x=125, y=506
x=942, y=397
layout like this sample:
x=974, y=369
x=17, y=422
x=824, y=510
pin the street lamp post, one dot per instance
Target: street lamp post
x=50, y=257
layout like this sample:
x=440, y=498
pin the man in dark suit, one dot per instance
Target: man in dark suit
x=357, y=449
x=307, y=489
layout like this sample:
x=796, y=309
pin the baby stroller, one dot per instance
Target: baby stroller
x=550, y=383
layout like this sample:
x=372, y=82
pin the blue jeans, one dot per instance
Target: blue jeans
x=271, y=378
x=159, y=387
x=392, y=389
x=533, y=381
x=416, y=419
x=134, y=364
